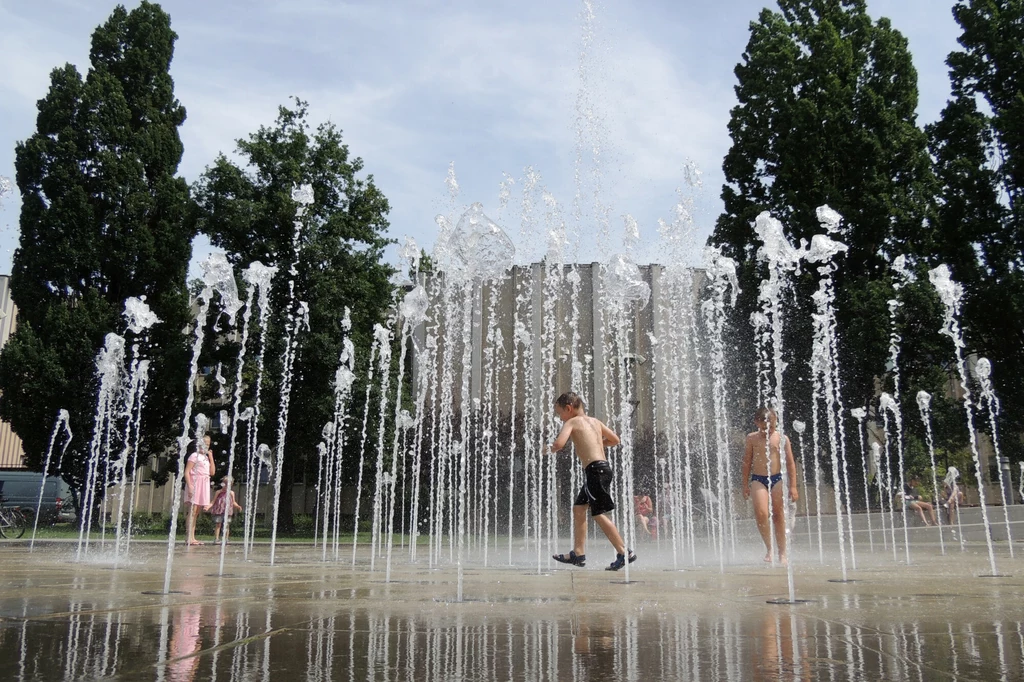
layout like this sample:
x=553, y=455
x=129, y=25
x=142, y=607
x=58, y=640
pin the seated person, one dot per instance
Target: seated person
x=645, y=515
x=912, y=500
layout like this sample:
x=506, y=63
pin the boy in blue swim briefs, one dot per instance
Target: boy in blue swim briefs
x=762, y=467
x=590, y=436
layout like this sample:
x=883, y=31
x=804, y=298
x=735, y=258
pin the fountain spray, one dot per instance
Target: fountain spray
x=298, y=317
x=951, y=293
x=139, y=318
x=800, y=427
x=780, y=258
x=1020, y=490
x=625, y=291
x=382, y=337
x=860, y=413
x=521, y=343
x=722, y=282
x=552, y=333
x=882, y=480
x=259, y=277
x=887, y=404
x=952, y=474
x=424, y=360
x=63, y=422
x=218, y=278
x=413, y=312
x=983, y=372
x=109, y=367
x=924, y=400
x=824, y=350
x=334, y=432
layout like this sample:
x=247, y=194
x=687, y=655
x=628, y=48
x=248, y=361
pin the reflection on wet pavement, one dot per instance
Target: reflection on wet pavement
x=314, y=621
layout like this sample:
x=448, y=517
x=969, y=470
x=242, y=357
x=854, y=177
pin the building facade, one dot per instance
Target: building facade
x=11, y=452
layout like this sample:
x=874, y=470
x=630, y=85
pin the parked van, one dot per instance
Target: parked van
x=20, y=488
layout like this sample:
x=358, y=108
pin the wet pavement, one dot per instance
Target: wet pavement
x=303, y=619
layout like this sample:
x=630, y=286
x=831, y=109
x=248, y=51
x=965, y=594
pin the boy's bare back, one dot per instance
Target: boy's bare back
x=590, y=436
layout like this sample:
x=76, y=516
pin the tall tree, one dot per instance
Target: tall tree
x=978, y=146
x=826, y=115
x=102, y=219
x=249, y=212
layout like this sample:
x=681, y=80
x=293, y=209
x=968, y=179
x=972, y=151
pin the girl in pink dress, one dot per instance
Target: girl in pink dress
x=198, y=470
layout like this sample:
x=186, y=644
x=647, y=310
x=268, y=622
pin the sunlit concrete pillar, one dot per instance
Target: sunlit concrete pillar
x=660, y=324
x=476, y=337
x=536, y=330
x=599, y=408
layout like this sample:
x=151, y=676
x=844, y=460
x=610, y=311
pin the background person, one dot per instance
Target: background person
x=223, y=508
x=762, y=479
x=198, y=470
x=912, y=499
x=590, y=436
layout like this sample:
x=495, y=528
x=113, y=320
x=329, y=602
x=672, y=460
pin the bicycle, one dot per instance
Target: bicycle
x=13, y=522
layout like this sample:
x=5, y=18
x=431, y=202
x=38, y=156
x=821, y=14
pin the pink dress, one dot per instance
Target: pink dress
x=200, y=480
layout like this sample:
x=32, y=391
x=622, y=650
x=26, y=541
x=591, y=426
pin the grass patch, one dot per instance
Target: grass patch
x=68, y=531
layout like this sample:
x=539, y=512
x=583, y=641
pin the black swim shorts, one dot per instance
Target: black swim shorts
x=596, y=490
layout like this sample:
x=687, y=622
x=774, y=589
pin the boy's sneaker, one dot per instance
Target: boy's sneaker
x=620, y=560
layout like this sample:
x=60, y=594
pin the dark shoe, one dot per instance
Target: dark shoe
x=572, y=558
x=620, y=561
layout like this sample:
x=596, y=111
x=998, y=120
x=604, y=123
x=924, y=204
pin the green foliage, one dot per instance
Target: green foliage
x=247, y=210
x=157, y=523
x=826, y=115
x=426, y=262
x=102, y=219
x=978, y=146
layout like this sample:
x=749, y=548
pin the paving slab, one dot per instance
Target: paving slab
x=305, y=619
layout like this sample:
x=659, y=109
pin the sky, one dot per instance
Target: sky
x=488, y=89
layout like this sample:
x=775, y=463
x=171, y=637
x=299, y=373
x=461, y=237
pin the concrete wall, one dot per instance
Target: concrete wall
x=580, y=335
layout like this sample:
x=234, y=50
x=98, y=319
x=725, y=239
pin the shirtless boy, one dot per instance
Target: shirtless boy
x=591, y=437
x=764, y=470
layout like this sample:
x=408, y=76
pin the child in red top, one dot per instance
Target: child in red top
x=222, y=508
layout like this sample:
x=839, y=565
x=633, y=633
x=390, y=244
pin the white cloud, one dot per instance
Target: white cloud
x=416, y=84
